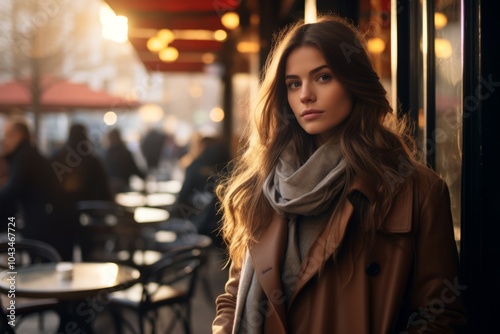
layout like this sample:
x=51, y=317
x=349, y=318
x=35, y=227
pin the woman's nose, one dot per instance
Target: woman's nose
x=307, y=93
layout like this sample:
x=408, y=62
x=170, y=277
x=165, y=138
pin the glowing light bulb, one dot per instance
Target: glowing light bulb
x=230, y=20
x=169, y=54
x=155, y=44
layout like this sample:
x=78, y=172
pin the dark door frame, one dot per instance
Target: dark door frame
x=481, y=167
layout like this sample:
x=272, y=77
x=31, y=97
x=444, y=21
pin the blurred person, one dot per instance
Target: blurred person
x=196, y=200
x=33, y=192
x=79, y=170
x=333, y=224
x=82, y=176
x=7, y=209
x=120, y=163
x=192, y=150
x=151, y=148
x=4, y=171
x=171, y=155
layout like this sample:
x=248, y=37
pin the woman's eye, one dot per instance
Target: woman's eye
x=293, y=84
x=324, y=77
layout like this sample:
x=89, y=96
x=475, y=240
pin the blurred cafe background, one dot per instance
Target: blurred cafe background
x=139, y=106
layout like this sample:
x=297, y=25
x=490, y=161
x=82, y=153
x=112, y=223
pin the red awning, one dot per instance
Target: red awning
x=153, y=15
x=59, y=95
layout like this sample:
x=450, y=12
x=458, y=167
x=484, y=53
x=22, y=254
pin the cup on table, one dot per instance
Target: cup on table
x=64, y=271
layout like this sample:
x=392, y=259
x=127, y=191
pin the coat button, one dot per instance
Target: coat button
x=373, y=269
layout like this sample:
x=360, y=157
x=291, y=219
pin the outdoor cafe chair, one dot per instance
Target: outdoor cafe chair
x=178, y=234
x=110, y=233
x=167, y=234
x=27, y=251
x=99, y=236
x=168, y=283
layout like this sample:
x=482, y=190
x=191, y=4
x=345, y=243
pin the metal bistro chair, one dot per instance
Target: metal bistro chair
x=28, y=251
x=176, y=234
x=168, y=283
x=168, y=234
x=100, y=224
x=110, y=233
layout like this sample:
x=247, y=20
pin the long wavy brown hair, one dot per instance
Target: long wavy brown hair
x=373, y=141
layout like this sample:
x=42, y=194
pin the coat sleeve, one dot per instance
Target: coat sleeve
x=437, y=294
x=226, y=304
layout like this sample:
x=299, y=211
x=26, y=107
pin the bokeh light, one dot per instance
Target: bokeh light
x=110, y=118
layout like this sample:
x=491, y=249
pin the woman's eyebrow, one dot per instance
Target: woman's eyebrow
x=313, y=71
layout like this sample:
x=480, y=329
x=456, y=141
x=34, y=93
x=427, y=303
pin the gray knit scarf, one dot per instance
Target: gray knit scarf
x=308, y=189
x=294, y=190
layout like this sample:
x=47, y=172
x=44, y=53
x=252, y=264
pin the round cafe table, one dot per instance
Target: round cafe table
x=137, y=199
x=81, y=288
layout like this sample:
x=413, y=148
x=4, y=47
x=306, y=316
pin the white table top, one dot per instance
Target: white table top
x=136, y=199
x=46, y=280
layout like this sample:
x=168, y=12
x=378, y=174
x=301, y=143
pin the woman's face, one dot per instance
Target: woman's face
x=318, y=100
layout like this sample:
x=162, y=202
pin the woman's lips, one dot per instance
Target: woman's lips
x=310, y=114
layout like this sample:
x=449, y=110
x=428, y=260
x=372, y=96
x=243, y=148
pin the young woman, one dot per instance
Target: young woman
x=332, y=224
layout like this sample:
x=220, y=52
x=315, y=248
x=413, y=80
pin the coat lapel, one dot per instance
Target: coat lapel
x=330, y=239
x=267, y=257
x=326, y=245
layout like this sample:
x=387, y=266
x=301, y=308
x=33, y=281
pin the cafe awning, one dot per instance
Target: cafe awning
x=193, y=28
x=59, y=94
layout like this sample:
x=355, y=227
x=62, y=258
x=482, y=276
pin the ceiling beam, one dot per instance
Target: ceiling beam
x=166, y=6
x=174, y=67
x=182, y=45
x=160, y=20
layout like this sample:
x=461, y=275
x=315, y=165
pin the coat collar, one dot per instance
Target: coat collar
x=365, y=186
x=268, y=252
x=398, y=219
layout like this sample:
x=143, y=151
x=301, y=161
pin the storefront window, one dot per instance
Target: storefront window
x=435, y=90
x=375, y=24
x=449, y=74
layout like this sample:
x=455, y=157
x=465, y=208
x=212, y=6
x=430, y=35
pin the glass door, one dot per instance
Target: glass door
x=447, y=134
x=416, y=48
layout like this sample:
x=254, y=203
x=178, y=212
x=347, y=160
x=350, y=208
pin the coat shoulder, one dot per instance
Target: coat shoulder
x=426, y=181
x=420, y=184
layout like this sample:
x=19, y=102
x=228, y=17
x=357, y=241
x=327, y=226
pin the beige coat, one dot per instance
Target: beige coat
x=408, y=278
